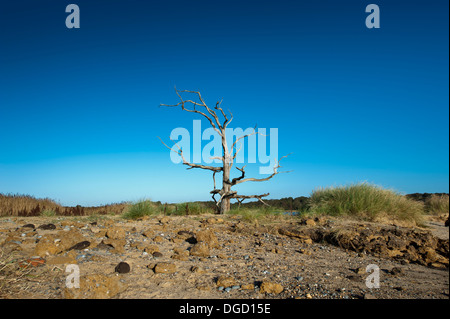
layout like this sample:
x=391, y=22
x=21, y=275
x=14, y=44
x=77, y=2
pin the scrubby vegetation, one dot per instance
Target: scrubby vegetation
x=139, y=209
x=367, y=202
x=362, y=201
x=143, y=208
x=437, y=205
x=25, y=205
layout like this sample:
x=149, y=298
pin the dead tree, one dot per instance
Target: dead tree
x=219, y=121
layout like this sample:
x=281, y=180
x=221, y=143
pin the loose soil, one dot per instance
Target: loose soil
x=203, y=257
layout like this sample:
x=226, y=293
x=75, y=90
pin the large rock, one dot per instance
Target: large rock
x=270, y=288
x=207, y=236
x=117, y=244
x=115, y=233
x=52, y=244
x=165, y=268
x=200, y=249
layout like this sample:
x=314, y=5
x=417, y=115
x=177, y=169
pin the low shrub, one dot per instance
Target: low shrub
x=367, y=202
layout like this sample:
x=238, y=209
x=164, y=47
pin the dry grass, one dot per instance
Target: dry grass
x=12, y=277
x=367, y=202
x=437, y=205
x=25, y=205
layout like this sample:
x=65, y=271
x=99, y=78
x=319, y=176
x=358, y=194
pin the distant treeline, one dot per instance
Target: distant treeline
x=423, y=197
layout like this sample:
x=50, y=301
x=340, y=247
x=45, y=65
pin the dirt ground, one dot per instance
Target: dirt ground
x=211, y=257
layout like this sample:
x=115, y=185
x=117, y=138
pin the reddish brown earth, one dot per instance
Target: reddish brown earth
x=220, y=257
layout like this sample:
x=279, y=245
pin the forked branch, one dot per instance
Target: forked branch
x=191, y=165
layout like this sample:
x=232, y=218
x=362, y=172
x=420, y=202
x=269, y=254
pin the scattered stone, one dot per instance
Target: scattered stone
x=396, y=271
x=270, y=288
x=213, y=220
x=118, y=244
x=225, y=281
x=28, y=226
x=248, y=287
x=207, y=236
x=305, y=251
x=164, y=220
x=360, y=270
x=102, y=245
x=151, y=249
x=115, y=233
x=148, y=233
x=200, y=249
x=47, y=227
x=185, y=234
x=45, y=248
x=122, y=268
x=80, y=246
x=165, y=268
x=158, y=239
x=157, y=254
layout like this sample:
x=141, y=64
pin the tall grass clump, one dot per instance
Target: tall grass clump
x=255, y=215
x=25, y=205
x=190, y=208
x=367, y=202
x=48, y=213
x=437, y=205
x=140, y=209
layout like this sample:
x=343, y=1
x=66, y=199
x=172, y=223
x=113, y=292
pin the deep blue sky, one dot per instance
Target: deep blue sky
x=80, y=115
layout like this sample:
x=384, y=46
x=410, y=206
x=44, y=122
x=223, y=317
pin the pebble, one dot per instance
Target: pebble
x=122, y=268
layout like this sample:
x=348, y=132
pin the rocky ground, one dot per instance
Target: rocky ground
x=219, y=257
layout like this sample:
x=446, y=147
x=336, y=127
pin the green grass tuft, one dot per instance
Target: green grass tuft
x=140, y=209
x=367, y=202
x=48, y=213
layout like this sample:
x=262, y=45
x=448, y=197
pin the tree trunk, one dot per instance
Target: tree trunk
x=226, y=186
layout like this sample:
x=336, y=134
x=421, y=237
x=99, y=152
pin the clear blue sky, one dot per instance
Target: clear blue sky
x=80, y=115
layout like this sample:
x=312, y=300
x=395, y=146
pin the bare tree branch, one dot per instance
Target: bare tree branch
x=241, y=198
x=191, y=165
x=212, y=113
x=275, y=172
